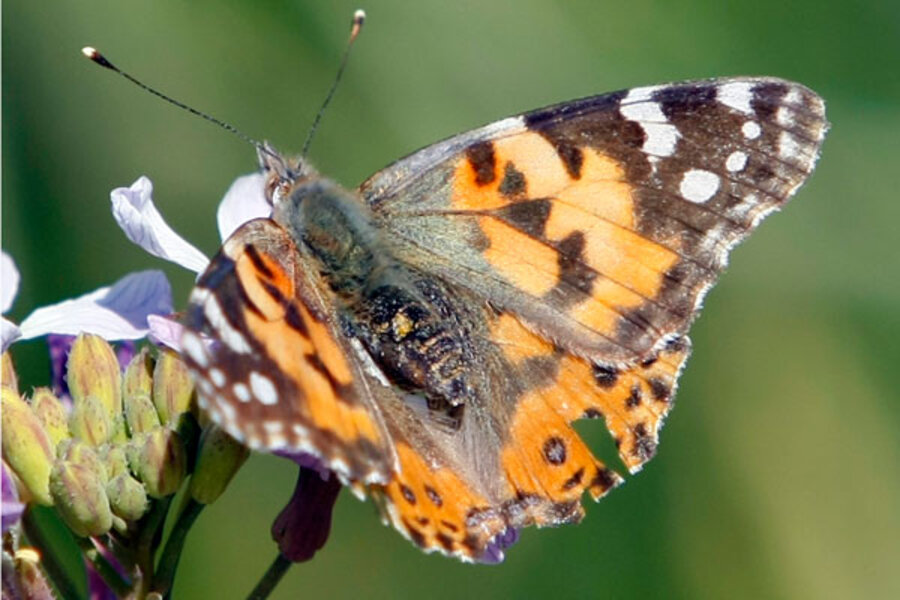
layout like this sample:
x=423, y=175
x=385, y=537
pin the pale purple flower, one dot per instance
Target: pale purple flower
x=116, y=312
x=12, y=508
x=136, y=214
x=138, y=217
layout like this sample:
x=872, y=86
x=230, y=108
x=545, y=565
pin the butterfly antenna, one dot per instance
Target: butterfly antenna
x=359, y=17
x=94, y=55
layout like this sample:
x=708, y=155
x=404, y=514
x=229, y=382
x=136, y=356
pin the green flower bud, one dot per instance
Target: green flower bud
x=27, y=448
x=93, y=370
x=173, y=388
x=140, y=414
x=114, y=459
x=90, y=421
x=80, y=498
x=127, y=497
x=52, y=414
x=138, y=377
x=80, y=453
x=8, y=377
x=160, y=461
x=219, y=458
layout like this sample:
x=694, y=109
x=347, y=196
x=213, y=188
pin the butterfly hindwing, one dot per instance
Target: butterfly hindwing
x=272, y=368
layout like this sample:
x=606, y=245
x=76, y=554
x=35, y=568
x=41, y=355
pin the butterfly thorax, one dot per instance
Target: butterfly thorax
x=405, y=321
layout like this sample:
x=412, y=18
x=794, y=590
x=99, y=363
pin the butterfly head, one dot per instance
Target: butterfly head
x=282, y=174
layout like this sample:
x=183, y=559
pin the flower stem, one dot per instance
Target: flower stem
x=271, y=578
x=150, y=529
x=39, y=537
x=168, y=561
x=110, y=575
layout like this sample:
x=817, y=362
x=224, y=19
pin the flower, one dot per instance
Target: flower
x=116, y=312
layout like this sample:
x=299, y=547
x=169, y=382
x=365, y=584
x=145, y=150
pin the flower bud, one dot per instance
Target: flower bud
x=93, y=370
x=219, y=458
x=137, y=387
x=127, y=497
x=80, y=498
x=140, y=414
x=173, y=388
x=80, y=453
x=8, y=377
x=160, y=462
x=114, y=460
x=27, y=448
x=52, y=414
x=90, y=421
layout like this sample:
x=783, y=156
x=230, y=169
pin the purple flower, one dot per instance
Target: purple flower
x=12, y=508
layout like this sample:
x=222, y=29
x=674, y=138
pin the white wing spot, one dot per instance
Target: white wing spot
x=241, y=392
x=785, y=116
x=699, y=186
x=736, y=161
x=217, y=377
x=751, y=130
x=227, y=410
x=193, y=346
x=736, y=95
x=230, y=336
x=263, y=389
x=661, y=136
x=788, y=146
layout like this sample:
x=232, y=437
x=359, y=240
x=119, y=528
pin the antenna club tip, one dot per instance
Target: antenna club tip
x=94, y=55
x=359, y=17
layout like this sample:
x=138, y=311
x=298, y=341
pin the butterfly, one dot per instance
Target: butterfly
x=431, y=335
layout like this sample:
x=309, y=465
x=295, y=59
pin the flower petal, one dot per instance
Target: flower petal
x=138, y=217
x=9, y=282
x=12, y=508
x=118, y=312
x=165, y=331
x=245, y=200
x=8, y=333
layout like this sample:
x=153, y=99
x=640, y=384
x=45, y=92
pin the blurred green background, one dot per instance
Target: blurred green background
x=778, y=474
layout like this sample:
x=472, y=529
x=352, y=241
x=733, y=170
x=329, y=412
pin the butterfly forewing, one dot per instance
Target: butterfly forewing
x=602, y=222
x=271, y=368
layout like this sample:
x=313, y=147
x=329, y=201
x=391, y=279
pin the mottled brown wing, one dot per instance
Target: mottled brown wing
x=271, y=365
x=601, y=223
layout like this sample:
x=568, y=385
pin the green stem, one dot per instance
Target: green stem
x=110, y=575
x=49, y=561
x=150, y=533
x=271, y=578
x=168, y=562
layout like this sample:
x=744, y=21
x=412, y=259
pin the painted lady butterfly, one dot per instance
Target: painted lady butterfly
x=431, y=335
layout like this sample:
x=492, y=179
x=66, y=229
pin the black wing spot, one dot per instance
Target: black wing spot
x=555, y=450
x=408, y=494
x=484, y=163
x=605, y=377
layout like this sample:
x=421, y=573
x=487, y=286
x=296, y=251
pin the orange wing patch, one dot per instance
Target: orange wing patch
x=436, y=509
x=560, y=225
x=634, y=400
x=303, y=349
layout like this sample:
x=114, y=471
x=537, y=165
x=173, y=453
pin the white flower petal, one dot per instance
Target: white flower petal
x=8, y=333
x=166, y=331
x=118, y=312
x=138, y=217
x=245, y=200
x=9, y=282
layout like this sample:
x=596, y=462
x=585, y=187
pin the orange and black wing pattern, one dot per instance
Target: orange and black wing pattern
x=589, y=232
x=270, y=365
